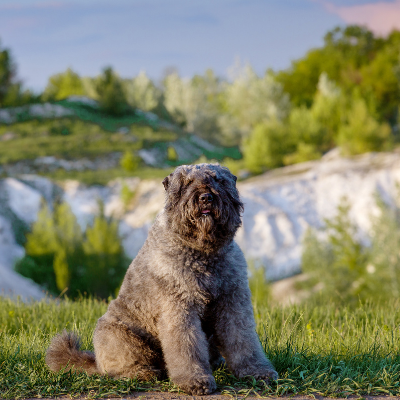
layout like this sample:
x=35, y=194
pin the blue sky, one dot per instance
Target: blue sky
x=46, y=37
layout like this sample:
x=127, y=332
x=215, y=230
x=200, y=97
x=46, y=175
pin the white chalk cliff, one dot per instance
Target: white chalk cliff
x=279, y=206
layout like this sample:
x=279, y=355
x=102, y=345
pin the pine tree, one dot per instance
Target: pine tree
x=110, y=93
x=104, y=255
x=43, y=236
x=337, y=266
x=61, y=269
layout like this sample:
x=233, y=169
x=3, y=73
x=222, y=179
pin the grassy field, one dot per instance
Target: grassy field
x=317, y=349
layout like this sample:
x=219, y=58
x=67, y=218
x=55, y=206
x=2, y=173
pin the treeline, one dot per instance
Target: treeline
x=346, y=93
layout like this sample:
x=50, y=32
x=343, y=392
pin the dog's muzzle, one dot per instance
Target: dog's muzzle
x=205, y=200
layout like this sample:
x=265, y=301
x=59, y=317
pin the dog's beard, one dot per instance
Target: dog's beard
x=203, y=219
x=205, y=227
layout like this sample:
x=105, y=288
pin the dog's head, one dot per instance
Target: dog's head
x=202, y=205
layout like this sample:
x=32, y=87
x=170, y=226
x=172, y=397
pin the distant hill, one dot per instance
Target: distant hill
x=74, y=135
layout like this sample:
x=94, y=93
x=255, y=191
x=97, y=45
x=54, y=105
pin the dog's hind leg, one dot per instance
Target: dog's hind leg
x=122, y=352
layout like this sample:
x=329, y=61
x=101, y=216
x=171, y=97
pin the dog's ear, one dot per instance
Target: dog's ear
x=165, y=182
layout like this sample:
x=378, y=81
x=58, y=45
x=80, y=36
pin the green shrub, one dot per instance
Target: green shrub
x=60, y=257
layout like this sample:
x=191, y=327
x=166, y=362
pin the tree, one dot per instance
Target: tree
x=110, y=93
x=342, y=269
x=192, y=102
x=339, y=264
x=7, y=73
x=384, y=263
x=307, y=134
x=104, y=255
x=314, y=129
x=266, y=146
x=250, y=100
x=61, y=86
x=60, y=256
x=361, y=132
x=54, y=244
x=344, y=52
x=11, y=90
x=327, y=109
x=142, y=93
x=61, y=269
x=380, y=82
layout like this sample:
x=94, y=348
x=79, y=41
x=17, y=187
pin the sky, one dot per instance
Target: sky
x=48, y=36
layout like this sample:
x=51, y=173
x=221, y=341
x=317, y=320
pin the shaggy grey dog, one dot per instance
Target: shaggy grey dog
x=185, y=299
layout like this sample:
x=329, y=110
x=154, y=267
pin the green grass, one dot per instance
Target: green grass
x=317, y=349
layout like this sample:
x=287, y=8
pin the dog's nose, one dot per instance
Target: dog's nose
x=206, y=198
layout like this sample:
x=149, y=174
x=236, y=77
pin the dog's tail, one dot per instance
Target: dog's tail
x=64, y=353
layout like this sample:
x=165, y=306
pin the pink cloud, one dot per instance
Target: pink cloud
x=381, y=17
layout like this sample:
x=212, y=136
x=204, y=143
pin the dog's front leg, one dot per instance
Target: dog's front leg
x=237, y=337
x=185, y=350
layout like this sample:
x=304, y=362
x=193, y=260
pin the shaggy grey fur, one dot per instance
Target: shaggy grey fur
x=185, y=299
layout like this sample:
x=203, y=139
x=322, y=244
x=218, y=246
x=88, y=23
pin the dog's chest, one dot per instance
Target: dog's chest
x=201, y=279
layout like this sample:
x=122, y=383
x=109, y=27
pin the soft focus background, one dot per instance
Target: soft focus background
x=100, y=100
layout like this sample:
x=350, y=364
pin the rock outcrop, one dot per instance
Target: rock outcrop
x=279, y=206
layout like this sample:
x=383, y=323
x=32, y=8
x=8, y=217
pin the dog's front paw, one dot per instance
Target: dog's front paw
x=198, y=385
x=264, y=373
